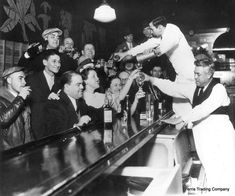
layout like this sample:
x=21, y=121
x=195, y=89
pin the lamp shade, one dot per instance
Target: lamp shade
x=104, y=13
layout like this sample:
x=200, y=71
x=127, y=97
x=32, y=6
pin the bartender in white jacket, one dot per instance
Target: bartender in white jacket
x=213, y=132
x=168, y=39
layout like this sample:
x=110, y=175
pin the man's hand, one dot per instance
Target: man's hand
x=120, y=56
x=134, y=74
x=146, y=77
x=54, y=96
x=139, y=95
x=33, y=50
x=84, y=120
x=24, y=91
x=173, y=120
x=157, y=51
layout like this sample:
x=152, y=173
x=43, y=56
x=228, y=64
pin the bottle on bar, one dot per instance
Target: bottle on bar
x=160, y=110
x=126, y=114
x=108, y=122
x=149, y=107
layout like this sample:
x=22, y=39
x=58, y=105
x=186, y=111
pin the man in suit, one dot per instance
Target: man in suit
x=44, y=86
x=127, y=44
x=64, y=113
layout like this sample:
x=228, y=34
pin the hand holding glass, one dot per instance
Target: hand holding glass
x=140, y=80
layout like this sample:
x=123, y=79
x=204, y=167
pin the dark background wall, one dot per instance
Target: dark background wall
x=132, y=14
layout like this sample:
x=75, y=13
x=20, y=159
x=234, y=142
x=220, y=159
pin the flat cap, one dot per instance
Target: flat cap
x=11, y=70
x=51, y=30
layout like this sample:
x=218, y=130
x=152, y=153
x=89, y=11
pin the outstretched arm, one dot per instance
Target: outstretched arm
x=127, y=86
x=174, y=89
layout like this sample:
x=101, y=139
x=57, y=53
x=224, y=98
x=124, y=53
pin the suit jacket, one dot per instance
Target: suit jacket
x=124, y=47
x=37, y=100
x=60, y=115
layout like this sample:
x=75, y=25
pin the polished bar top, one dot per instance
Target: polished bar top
x=65, y=163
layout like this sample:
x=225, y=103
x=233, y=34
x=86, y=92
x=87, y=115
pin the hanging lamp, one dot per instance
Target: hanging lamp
x=104, y=13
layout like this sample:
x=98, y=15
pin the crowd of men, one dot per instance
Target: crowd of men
x=53, y=89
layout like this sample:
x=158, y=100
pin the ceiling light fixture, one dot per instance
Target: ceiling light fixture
x=104, y=13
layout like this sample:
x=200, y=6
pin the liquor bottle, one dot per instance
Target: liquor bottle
x=161, y=108
x=149, y=107
x=126, y=114
x=108, y=122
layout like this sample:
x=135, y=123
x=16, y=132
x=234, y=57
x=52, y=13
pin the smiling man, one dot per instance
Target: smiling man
x=64, y=113
x=44, y=86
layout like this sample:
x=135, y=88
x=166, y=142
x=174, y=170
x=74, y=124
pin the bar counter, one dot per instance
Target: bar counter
x=66, y=163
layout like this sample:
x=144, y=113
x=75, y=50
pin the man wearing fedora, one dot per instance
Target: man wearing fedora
x=14, y=115
x=33, y=57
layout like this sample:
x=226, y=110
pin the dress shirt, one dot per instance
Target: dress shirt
x=50, y=79
x=217, y=98
x=130, y=45
x=175, y=46
x=73, y=102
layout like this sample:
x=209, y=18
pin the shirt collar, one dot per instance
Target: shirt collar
x=73, y=102
x=48, y=75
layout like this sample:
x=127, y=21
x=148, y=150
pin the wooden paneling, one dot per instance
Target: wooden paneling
x=10, y=53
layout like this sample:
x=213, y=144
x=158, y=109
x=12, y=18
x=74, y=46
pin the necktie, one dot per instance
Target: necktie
x=200, y=92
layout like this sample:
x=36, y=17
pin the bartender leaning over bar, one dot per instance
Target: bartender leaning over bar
x=213, y=132
x=167, y=39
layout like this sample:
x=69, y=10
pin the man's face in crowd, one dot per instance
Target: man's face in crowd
x=129, y=38
x=68, y=43
x=129, y=66
x=75, y=88
x=147, y=32
x=123, y=77
x=92, y=80
x=156, y=31
x=16, y=81
x=157, y=72
x=89, y=51
x=53, y=40
x=202, y=75
x=52, y=64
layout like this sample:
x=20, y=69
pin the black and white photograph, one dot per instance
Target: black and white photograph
x=117, y=97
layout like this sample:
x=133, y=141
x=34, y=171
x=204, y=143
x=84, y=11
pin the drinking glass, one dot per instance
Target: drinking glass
x=138, y=66
x=140, y=81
